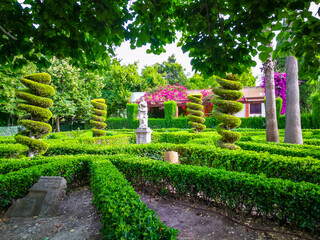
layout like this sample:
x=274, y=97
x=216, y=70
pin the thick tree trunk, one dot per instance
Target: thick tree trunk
x=58, y=124
x=271, y=113
x=293, y=133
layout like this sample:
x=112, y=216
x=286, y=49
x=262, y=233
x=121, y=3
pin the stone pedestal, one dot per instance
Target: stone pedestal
x=143, y=135
x=42, y=200
x=171, y=157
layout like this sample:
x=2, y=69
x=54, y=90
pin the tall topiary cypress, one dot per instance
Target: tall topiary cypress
x=99, y=117
x=279, y=103
x=227, y=106
x=195, y=110
x=315, y=101
x=35, y=103
x=170, y=109
x=132, y=112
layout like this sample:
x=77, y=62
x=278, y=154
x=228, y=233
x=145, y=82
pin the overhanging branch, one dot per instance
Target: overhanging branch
x=7, y=33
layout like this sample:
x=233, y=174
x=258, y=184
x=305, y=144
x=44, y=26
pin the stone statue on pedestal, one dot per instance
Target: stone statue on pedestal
x=143, y=133
x=143, y=114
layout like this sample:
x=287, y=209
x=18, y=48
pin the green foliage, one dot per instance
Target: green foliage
x=172, y=72
x=170, y=109
x=199, y=81
x=152, y=78
x=35, y=122
x=195, y=110
x=120, y=81
x=315, y=101
x=132, y=112
x=120, y=206
x=17, y=184
x=247, y=79
x=98, y=119
x=279, y=102
x=75, y=88
x=237, y=191
x=226, y=107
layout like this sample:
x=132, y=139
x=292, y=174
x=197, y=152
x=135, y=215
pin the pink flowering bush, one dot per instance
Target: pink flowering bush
x=207, y=96
x=280, y=88
x=166, y=93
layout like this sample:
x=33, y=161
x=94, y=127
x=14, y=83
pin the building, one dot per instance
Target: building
x=253, y=101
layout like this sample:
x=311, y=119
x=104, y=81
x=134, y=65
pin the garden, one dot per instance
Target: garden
x=70, y=108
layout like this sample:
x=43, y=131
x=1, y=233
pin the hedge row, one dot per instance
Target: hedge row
x=11, y=150
x=181, y=122
x=13, y=164
x=17, y=184
x=124, y=215
x=282, y=149
x=272, y=165
x=295, y=203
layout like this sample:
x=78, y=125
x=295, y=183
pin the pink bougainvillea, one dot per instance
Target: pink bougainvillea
x=280, y=88
x=166, y=93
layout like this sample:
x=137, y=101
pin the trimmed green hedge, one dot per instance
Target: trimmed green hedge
x=12, y=150
x=272, y=165
x=295, y=203
x=17, y=184
x=124, y=215
x=282, y=149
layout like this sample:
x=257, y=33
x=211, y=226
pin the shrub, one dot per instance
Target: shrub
x=132, y=111
x=170, y=108
x=227, y=106
x=35, y=104
x=124, y=215
x=195, y=110
x=315, y=101
x=99, y=117
x=295, y=203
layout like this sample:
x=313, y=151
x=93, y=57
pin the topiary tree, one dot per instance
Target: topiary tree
x=99, y=117
x=227, y=106
x=195, y=110
x=315, y=101
x=35, y=103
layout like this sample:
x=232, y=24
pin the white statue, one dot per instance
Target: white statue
x=143, y=114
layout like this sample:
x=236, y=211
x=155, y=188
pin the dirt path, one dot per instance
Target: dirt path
x=79, y=221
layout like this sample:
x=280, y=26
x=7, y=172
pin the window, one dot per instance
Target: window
x=255, y=108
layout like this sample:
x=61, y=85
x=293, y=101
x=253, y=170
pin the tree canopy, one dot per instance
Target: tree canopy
x=220, y=36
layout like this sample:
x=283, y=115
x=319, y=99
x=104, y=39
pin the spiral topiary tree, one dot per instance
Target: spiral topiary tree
x=195, y=110
x=227, y=106
x=35, y=103
x=99, y=117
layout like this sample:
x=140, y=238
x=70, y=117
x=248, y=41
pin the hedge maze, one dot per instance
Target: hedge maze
x=277, y=182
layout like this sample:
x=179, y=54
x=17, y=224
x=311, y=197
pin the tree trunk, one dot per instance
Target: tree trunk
x=57, y=124
x=293, y=133
x=271, y=113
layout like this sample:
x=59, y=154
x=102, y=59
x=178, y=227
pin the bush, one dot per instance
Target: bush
x=170, y=109
x=227, y=106
x=315, y=101
x=132, y=112
x=195, y=110
x=36, y=104
x=295, y=203
x=124, y=215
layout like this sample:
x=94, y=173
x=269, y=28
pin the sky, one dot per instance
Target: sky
x=139, y=55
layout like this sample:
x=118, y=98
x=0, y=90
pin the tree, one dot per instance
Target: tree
x=293, y=132
x=35, y=103
x=152, y=78
x=198, y=81
x=226, y=108
x=195, y=110
x=74, y=90
x=120, y=81
x=82, y=30
x=172, y=72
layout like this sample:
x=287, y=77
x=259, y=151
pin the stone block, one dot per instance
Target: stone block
x=42, y=200
x=172, y=157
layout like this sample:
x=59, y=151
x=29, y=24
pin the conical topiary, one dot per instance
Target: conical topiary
x=227, y=106
x=35, y=103
x=99, y=117
x=195, y=110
